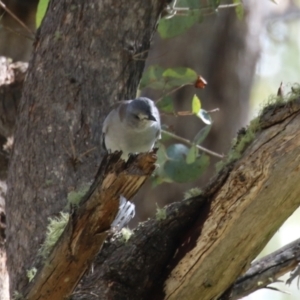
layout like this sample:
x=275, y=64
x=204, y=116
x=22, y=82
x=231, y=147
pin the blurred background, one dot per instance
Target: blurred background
x=243, y=61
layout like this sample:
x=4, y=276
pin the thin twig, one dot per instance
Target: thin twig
x=16, y=18
x=187, y=142
x=181, y=11
x=213, y=110
x=17, y=33
x=172, y=91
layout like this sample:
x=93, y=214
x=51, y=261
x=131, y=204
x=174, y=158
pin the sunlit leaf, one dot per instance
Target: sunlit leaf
x=192, y=155
x=41, y=11
x=166, y=105
x=201, y=135
x=196, y=105
x=204, y=116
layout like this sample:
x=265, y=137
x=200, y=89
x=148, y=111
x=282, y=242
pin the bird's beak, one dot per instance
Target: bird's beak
x=151, y=118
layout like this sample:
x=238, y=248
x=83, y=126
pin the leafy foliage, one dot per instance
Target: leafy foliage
x=169, y=28
x=159, y=78
x=177, y=166
x=166, y=105
x=184, y=15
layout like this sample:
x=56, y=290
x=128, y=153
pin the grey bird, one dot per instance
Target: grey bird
x=133, y=126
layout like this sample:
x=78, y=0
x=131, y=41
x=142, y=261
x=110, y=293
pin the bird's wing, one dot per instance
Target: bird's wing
x=158, y=134
x=157, y=117
x=120, y=106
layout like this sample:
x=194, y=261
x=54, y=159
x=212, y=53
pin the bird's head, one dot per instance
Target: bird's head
x=141, y=113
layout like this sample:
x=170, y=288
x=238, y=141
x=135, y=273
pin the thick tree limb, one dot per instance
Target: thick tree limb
x=261, y=192
x=219, y=232
x=267, y=269
x=88, y=226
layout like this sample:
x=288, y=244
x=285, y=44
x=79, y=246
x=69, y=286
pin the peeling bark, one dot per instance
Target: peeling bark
x=207, y=242
x=88, y=225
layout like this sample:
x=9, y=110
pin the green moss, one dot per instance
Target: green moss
x=247, y=135
x=31, y=273
x=126, y=234
x=54, y=230
x=17, y=296
x=192, y=193
x=161, y=213
x=74, y=197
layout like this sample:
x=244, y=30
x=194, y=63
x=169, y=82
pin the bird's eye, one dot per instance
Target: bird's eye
x=136, y=117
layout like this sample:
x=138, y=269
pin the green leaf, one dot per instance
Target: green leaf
x=179, y=76
x=201, y=135
x=177, y=152
x=196, y=105
x=41, y=11
x=153, y=78
x=159, y=78
x=239, y=9
x=192, y=155
x=176, y=167
x=169, y=28
x=204, y=116
x=215, y=3
x=165, y=105
x=159, y=174
x=192, y=4
x=161, y=155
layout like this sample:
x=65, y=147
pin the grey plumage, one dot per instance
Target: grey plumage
x=133, y=126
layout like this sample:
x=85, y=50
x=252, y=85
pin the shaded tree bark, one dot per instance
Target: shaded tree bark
x=75, y=74
x=206, y=242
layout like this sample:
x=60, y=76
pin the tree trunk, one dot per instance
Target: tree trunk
x=75, y=74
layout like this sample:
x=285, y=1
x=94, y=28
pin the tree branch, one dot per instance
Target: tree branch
x=205, y=243
x=88, y=226
x=266, y=270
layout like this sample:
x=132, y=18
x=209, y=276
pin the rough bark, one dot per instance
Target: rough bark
x=260, y=193
x=60, y=119
x=75, y=74
x=88, y=225
x=207, y=242
x=267, y=270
